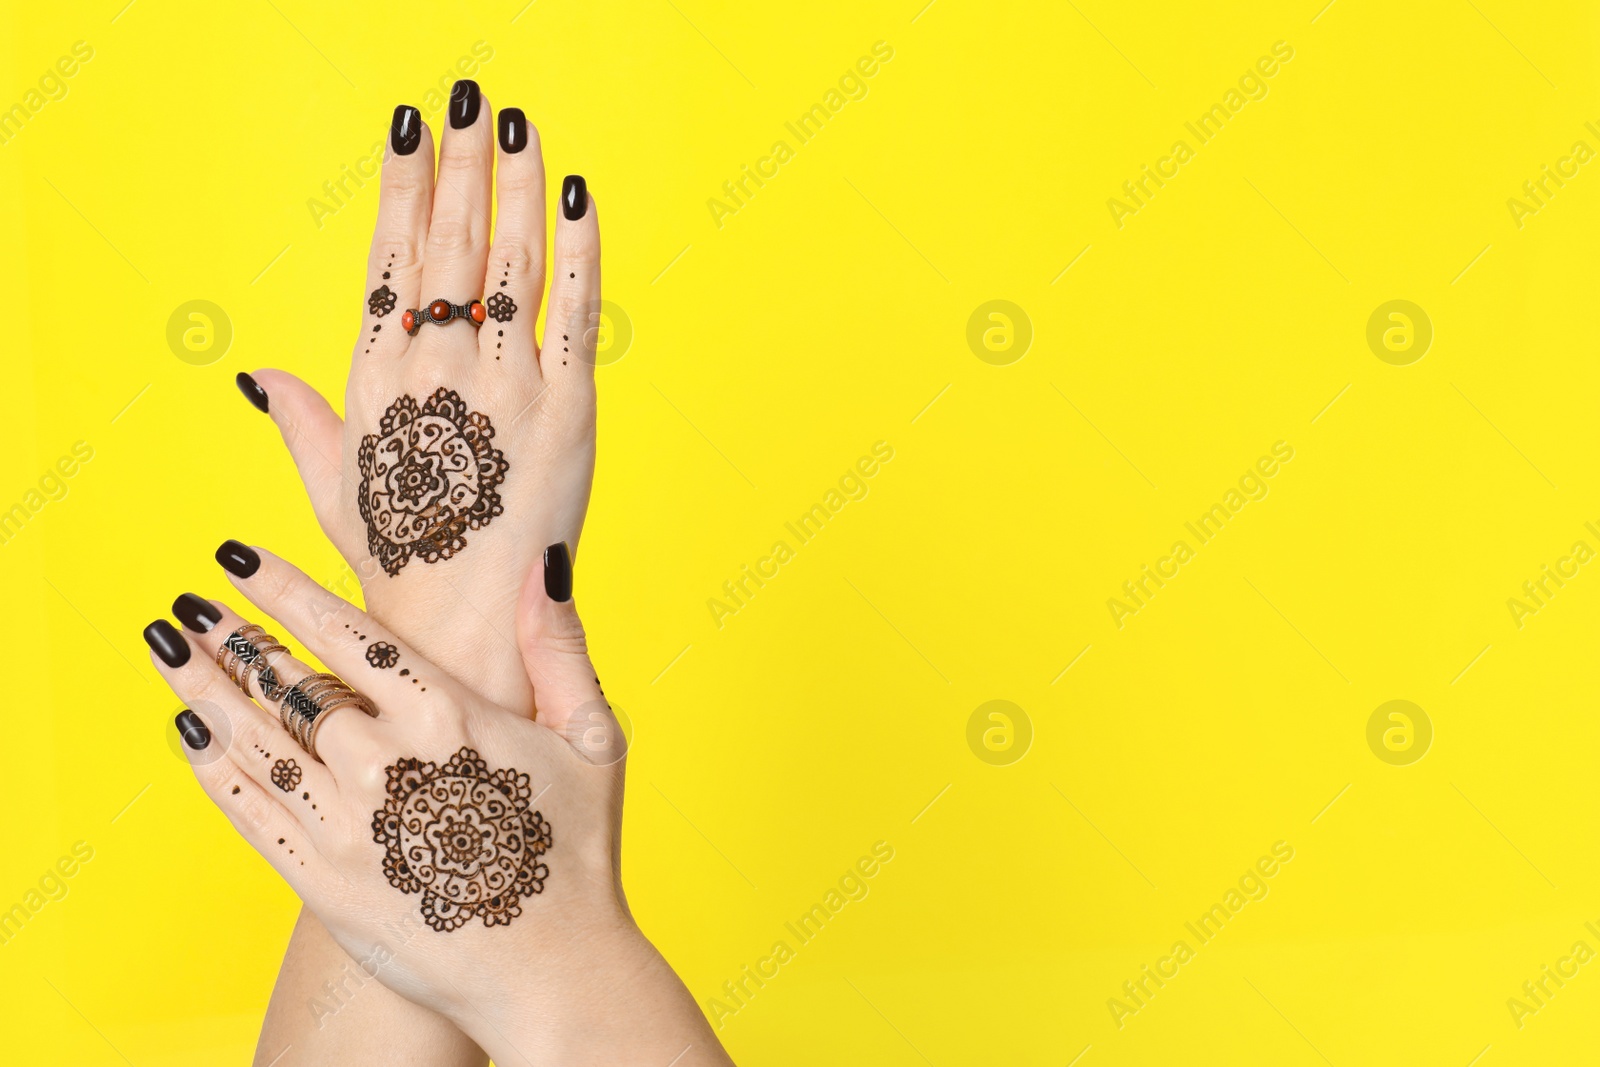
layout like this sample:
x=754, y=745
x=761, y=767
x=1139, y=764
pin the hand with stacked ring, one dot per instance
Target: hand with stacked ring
x=466, y=448
x=463, y=855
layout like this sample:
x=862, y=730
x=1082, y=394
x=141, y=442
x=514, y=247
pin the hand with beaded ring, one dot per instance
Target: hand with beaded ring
x=465, y=857
x=465, y=448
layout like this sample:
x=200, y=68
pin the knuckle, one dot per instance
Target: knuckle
x=519, y=182
x=514, y=258
x=451, y=235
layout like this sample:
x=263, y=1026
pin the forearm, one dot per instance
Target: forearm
x=327, y=1009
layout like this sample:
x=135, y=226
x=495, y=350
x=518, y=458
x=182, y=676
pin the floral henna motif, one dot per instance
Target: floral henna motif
x=382, y=301
x=428, y=476
x=501, y=307
x=462, y=836
x=286, y=775
x=382, y=655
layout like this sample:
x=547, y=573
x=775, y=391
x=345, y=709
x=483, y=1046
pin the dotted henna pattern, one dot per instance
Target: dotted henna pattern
x=286, y=775
x=428, y=476
x=462, y=836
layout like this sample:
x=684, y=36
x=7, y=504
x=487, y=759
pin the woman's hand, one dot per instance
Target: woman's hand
x=463, y=855
x=464, y=449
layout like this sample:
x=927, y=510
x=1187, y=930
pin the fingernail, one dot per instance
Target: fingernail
x=196, y=613
x=574, y=197
x=405, y=130
x=252, y=391
x=558, y=572
x=464, y=101
x=167, y=642
x=513, y=131
x=238, y=559
x=192, y=730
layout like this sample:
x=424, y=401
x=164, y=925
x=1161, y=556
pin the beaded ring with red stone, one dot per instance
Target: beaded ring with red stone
x=440, y=312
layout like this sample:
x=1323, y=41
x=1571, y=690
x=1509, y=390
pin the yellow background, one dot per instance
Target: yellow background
x=768, y=355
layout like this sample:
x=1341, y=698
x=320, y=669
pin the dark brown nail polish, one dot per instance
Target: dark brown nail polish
x=513, y=131
x=464, y=101
x=192, y=730
x=558, y=572
x=252, y=391
x=405, y=130
x=196, y=613
x=574, y=197
x=238, y=559
x=167, y=642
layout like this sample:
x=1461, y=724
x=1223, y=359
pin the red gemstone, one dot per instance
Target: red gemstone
x=477, y=312
x=439, y=310
x=408, y=321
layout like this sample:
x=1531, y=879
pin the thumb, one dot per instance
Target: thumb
x=567, y=697
x=314, y=435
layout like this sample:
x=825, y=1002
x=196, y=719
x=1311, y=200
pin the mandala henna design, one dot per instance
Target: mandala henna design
x=428, y=476
x=501, y=307
x=462, y=836
x=382, y=301
x=286, y=775
x=382, y=655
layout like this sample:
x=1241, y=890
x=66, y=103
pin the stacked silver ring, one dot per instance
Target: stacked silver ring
x=244, y=652
x=306, y=705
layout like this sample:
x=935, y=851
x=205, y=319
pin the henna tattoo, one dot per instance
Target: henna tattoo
x=382, y=655
x=382, y=301
x=462, y=836
x=428, y=476
x=501, y=307
x=286, y=775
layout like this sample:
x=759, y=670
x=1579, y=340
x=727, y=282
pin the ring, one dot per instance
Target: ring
x=244, y=652
x=306, y=705
x=441, y=312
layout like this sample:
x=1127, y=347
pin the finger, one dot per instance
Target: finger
x=355, y=646
x=394, y=265
x=458, y=229
x=515, y=284
x=343, y=737
x=567, y=695
x=314, y=435
x=573, y=325
x=249, y=737
x=263, y=821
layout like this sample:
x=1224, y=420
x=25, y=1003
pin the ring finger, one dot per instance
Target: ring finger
x=211, y=624
x=255, y=742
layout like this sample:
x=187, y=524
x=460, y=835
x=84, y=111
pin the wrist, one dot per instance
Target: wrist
x=611, y=1000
